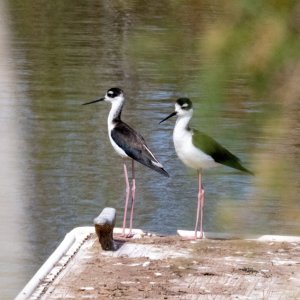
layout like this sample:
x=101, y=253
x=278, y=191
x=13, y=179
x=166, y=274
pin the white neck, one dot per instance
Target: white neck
x=115, y=111
x=182, y=122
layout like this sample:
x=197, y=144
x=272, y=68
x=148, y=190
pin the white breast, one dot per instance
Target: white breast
x=118, y=149
x=188, y=153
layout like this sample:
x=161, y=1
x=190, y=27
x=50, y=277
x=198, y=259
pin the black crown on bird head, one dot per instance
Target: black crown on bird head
x=184, y=103
x=114, y=92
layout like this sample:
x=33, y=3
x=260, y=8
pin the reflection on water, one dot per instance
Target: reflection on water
x=15, y=254
x=58, y=169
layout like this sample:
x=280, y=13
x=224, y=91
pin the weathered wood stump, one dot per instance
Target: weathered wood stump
x=104, y=226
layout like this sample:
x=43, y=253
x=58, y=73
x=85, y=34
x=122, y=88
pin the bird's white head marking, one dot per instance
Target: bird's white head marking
x=114, y=94
x=183, y=106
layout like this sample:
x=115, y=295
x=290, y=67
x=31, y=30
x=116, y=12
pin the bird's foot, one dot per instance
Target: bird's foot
x=129, y=235
x=124, y=235
x=199, y=236
x=119, y=236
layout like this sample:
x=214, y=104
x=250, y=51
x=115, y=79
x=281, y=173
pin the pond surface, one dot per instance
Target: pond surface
x=58, y=169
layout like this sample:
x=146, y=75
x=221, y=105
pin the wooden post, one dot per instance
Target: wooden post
x=104, y=226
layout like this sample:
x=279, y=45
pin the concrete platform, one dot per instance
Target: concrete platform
x=152, y=267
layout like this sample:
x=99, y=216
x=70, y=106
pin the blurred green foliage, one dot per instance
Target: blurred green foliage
x=257, y=39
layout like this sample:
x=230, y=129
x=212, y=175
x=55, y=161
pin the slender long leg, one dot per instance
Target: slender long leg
x=126, y=198
x=132, y=197
x=198, y=204
x=202, y=193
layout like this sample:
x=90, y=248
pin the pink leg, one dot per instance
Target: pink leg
x=201, y=212
x=132, y=199
x=126, y=198
x=200, y=206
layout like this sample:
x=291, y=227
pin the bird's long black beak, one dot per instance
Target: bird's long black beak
x=94, y=101
x=169, y=116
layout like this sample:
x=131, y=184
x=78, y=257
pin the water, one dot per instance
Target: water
x=58, y=169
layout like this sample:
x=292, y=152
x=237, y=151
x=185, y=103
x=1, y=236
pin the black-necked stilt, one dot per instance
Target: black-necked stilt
x=128, y=144
x=198, y=151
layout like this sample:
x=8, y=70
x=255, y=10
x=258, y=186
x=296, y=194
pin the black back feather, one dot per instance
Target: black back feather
x=135, y=146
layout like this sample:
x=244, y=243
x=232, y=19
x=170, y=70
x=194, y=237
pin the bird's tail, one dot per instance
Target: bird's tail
x=158, y=167
x=243, y=169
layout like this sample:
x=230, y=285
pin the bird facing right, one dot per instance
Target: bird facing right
x=198, y=151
